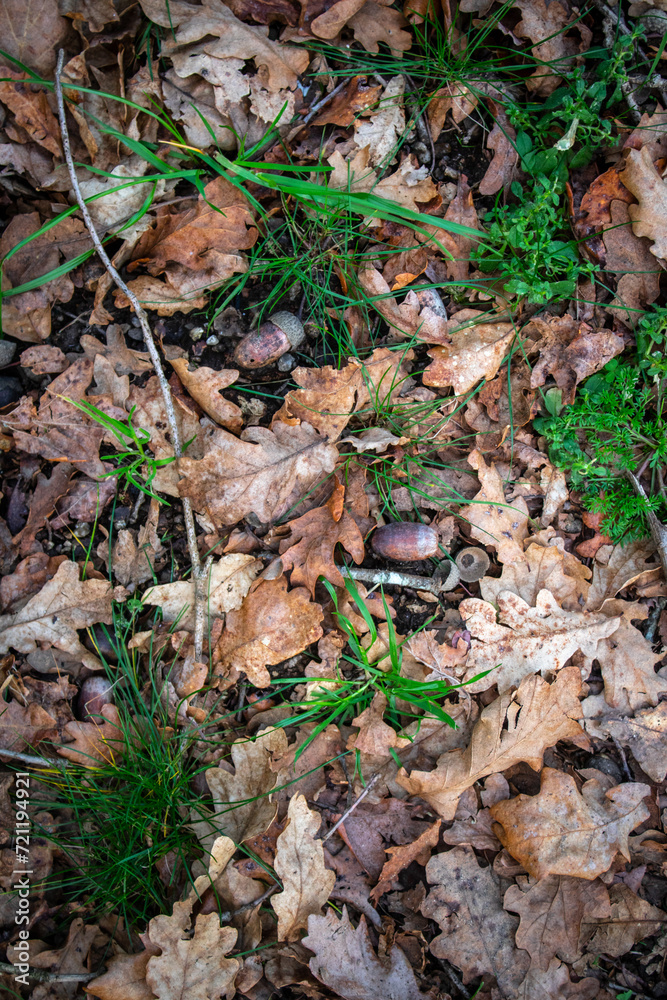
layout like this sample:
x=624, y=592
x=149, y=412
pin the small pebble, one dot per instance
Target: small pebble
x=212, y=341
x=286, y=363
x=196, y=332
x=82, y=529
x=10, y=389
x=135, y=334
x=7, y=352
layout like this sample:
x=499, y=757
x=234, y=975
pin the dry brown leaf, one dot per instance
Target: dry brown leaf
x=473, y=826
x=631, y=920
x=555, y=984
x=403, y=855
x=349, y=103
x=52, y=617
x=617, y=566
x=646, y=737
x=456, y=98
x=552, y=911
x=630, y=259
x=546, y=23
x=242, y=800
x=628, y=662
x=477, y=933
x=501, y=139
x=125, y=361
x=381, y=133
x=299, y=863
x=125, y=979
x=133, y=562
x=30, y=108
x=270, y=626
x=527, y=640
x=375, y=736
x=476, y=353
x=513, y=728
x=441, y=658
x=378, y=22
x=309, y=551
x=205, y=386
x=494, y=522
x=31, y=32
x=191, y=966
x=544, y=567
x=24, y=726
x=649, y=217
x=263, y=472
x=98, y=742
x=44, y=360
x=228, y=583
x=562, y=831
x=570, y=351
x=346, y=962
x=409, y=319
x=410, y=186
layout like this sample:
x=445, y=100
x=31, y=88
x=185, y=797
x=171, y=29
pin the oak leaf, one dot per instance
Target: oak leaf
x=570, y=351
x=309, y=551
x=242, y=800
x=646, y=737
x=547, y=25
x=493, y=521
x=264, y=471
x=501, y=139
x=125, y=361
x=527, y=640
x=544, y=567
x=97, y=742
x=375, y=736
x=53, y=616
x=631, y=920
x=229, y=581
x=125, y=979
x=555, y=984
x=477, y=933
x=356, y=97
x=299, y=862
x=552, y=911
x=476, y=352
x=473, y=826
x=346, y=962
x=32, y=31
x=618, y=566
x=270, y=626
x=409, y=318
x=513, y=728
x=205, y=386
x=23, y=726
x=134, y=562
x=649, y=217
x=403, y=855
x=191, y=967
x=381, y=132
x=562, y=831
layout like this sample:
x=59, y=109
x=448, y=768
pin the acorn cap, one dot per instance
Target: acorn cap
x=291, y=326
x=473, y=563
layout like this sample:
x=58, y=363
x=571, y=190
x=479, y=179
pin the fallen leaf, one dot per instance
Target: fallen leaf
x=72, y=957
x=299, y=863
x=133, y=562
x=378, y=22
x=205, y=386
x=125, y=361
x=242, y=800
x=649, y=217
x=191, y=966
x=346, y=962
x=547, y=23
x=24, y=726
x=456, y=98
x=646, y=737
x=375, y=736
x=44, y=360
x=408, y=319
x=544, y=567
x=513, y=728
x=96, y=742
x=570, y=351
x=28, y=578
x=52, y=617
x=562, y=831
x=476, y=353
x=343, y=110
x=477, y=933
x=309, y=551
x=263, y=472
x=552, y=911
x=627, y=661
x=228, y=583
x=125, y=979
x=501, y=139
x=32, y=32
x=618, y=566
x=402, y=856
x=382, y=132
x=270, y=626
x=30, y=108
x=527, y=640
x=555, y=984
x=631, y=920
x=494, y=522
x=472, y=826
x=630, y=259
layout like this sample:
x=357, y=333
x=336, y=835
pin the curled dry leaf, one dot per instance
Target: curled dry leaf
x=299, y=863
x=242, y=800
x=570, y=351
x=649, y=217
x=552, y=911
x=53, y=616
x=547, y=24
x=628, y=662
x=513, y=728
x=493, y=521
x=403, y=855
x=205, y=386
x=375, y=737
x=261, y=472
x=349, y=103
x=501, y=139
x=527, y=640
x=477, y=933
x=617, y=567
x=133, y=562
x=229, y=581
x=346, y=962
x=309, y=551
x=410, y=318
x=646, y=737
x=562, y=831
x=270, y=626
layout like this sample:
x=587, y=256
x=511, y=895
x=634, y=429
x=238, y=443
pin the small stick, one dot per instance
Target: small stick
x=42, y=976
x=624, y=760
x=393, y=578
x=26, y=758
x=140, y=313
x=351, y=808
x=325, y=100
x=658, y=530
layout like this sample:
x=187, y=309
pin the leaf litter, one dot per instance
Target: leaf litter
x=296, y=771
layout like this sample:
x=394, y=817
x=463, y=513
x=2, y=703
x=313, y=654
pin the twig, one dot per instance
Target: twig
x=230, y=914
x=42, y=976
x=351, y=808
x=624, y=760
x=393, y=578
x=422, y=125
x=190, y=528
x=658, y=530
x=325, y=100
x=26, y=758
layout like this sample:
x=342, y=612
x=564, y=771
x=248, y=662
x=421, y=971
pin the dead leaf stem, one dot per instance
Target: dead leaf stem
x=199, y=575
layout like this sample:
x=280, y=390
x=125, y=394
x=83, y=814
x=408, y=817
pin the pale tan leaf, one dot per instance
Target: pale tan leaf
x=477, y=933
x=101, y=741
x=23, y=726
x=133, y=562
x=375, y=736
x=124, y=360
x=562, y=831
x=381, y=133
x=649, y=217
x=627, y=661
x=493, y=521
x=646, y=736
x=205, y=386
x=513, y=728
x=229, y=581
x=476, y=353
x=617, y=566
x=125, y=979
x=555, y=984
x=299, y=863
x=544, y=567
x=631, y=920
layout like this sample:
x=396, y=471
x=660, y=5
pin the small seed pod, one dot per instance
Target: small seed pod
x=95, y=693
x=281, y=333
x=473, y=563
x=404, y=541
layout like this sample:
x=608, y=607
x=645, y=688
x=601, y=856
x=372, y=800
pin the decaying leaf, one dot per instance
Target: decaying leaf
x=649, y=217
x=133, y=562
x=299, y=863
x=494, y=521
x=562, y=831
x=570, y=351
x=346, y=962
x=99, y=742
x=627, y=661
x=403, y=855
x=544, y=567
x=477, y=933
x=512, y=728
x=205, y=386
x=229, y=581
x=476, y=352
x=631, y=920
x=23, y=726
x=646, y=737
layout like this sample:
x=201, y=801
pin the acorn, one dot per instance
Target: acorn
x=404, y=541
x=281, y=333
x=95, y=692
x=473, y=563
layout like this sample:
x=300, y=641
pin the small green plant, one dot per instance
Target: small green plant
x=616, y=423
